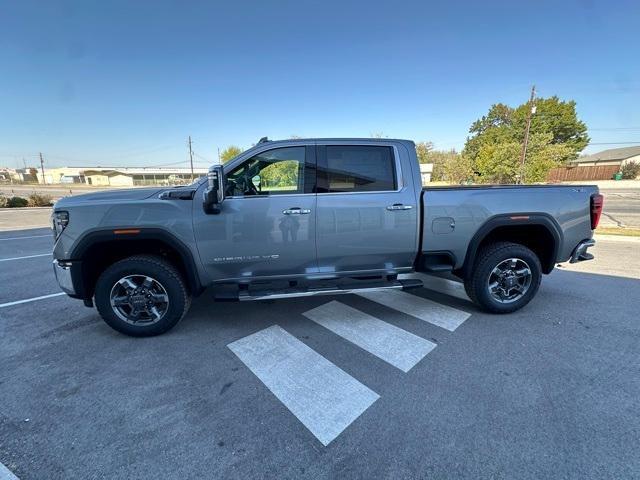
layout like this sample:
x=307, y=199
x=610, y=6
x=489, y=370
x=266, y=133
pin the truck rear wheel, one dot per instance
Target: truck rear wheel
x=141, y=296
x=505, y=277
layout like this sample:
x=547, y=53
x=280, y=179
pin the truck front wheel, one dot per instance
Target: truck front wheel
x=141, y=296
x=504, y=278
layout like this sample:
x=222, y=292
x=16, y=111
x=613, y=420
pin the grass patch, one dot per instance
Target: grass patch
x=629, y=232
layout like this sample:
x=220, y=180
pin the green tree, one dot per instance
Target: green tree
x=457, y=169
x=442, y=161
x=500, y=162
x=495, y=143
x=422, y=151
x=229, y=153
x=630, y=171
x=555, y=117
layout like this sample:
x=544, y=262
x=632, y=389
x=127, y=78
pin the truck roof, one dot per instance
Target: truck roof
x=336, y=139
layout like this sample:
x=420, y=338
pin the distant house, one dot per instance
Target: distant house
x=614, y=157
x=426, y=169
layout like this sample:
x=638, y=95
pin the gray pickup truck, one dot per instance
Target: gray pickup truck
x=307, y=217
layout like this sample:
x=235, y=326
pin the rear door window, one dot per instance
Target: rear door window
x=356, y=168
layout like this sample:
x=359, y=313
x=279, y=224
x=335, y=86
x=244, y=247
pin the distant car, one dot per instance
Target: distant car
x=307, y=217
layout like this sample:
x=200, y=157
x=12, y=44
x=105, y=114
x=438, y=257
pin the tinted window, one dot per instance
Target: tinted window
x=273, y=172
x=358, y=169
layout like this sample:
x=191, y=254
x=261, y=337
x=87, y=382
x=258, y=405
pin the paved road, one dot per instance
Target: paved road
x=23, y=218
x=548, y=392
x=621, y=208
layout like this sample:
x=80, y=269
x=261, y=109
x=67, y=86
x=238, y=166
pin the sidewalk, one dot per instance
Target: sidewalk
x=23, y=218
x=608, y=184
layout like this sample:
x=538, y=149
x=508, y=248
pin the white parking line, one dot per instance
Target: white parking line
x=432, y=312
x=28, y=256
x=394, y=345
x=27, y=300
x=6, y=474
x=443, y=285
x=22, y=238
x=322, y=396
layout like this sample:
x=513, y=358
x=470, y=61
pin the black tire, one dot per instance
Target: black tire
x=162, y=272
x=489, y=257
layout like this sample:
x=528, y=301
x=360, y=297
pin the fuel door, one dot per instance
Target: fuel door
x=443, y=225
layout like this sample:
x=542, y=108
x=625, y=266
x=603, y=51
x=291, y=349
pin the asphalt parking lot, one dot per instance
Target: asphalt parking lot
x=429, y=387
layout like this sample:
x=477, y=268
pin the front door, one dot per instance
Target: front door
x=367, y=211
x=266, y=226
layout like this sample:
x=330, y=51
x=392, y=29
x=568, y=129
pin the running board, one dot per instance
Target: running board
x=246, y=295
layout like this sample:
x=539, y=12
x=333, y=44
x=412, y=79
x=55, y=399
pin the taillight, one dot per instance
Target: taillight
x=597, y=201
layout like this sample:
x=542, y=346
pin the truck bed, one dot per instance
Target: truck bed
x=453, y=215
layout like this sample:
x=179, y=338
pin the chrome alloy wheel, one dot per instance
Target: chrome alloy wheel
x=509, y=280
x=139, y=300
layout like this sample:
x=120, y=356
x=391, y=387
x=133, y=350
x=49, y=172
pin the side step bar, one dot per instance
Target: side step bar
x=247, y=295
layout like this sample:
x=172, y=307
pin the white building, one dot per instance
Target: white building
x=426, y=169
x=120, y=176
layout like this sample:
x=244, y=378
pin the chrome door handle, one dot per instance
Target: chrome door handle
x=296, y=211
x=399, y=206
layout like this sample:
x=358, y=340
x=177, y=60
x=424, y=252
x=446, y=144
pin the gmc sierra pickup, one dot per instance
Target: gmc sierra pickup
x=307, y=217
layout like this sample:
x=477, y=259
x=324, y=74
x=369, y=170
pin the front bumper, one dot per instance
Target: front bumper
x=580, y=253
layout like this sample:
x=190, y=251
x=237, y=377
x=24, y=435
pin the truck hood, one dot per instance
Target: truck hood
x=110, y=196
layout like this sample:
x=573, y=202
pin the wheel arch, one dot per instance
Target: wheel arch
x=538, y=231
x=98, y=249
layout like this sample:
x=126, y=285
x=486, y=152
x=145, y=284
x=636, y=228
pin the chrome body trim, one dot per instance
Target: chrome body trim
x=580, y=253
x=63, y=277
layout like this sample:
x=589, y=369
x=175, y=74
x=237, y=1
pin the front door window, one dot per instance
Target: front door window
x=274, y=172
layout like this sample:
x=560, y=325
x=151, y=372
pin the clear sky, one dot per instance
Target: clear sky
x=125, y=83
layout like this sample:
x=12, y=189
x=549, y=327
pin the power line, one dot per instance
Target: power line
x=201, y=157
x=614, y=129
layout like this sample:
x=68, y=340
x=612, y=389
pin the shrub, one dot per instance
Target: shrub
x=3, y=201
x=39, y=200
x=17, y=202
x=630, y=170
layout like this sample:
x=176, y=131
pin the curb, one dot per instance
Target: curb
x=616, y=238
x=7, y=209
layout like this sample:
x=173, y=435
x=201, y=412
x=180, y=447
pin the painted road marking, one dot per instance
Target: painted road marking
x=322, y=396
x=443, y=285
x=427, y=310
x=22, y=238
x=394, y=345
x=28, y=256
x=6, y=474
x=27, y=300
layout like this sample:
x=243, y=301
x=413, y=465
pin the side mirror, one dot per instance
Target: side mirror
x=214, y=194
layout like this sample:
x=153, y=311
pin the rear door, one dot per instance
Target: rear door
x=367, y=212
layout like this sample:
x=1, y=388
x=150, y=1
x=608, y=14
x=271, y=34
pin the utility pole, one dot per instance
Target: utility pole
x=44, y=180
x=191, y=157
x=523, y=156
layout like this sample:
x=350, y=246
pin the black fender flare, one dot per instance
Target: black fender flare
x=124, y=234
x=514, y=220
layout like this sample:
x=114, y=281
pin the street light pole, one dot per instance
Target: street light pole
x=523, y=156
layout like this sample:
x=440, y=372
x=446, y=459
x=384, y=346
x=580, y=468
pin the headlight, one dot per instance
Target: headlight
x=60, y=221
